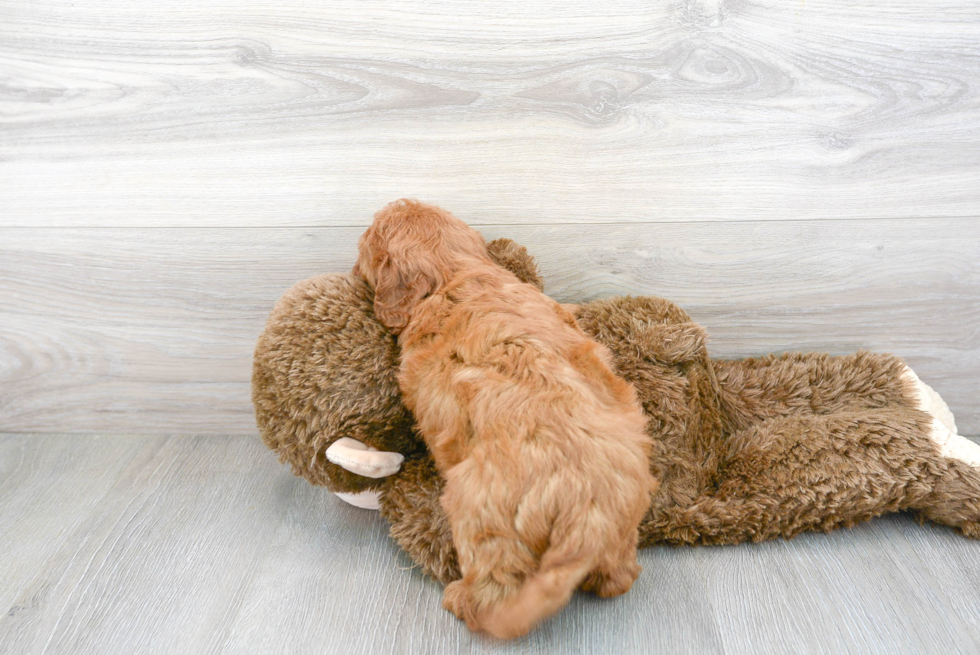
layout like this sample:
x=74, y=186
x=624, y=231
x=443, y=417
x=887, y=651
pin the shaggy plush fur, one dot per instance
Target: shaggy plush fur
x=542, y=447
x=745, y=450
x=325, y=368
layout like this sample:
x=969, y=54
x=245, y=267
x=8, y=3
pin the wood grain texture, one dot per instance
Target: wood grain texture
x=153, y=330
x=218, y=113
x=208, y=545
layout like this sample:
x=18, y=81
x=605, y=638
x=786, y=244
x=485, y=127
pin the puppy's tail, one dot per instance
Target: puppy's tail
x=544, y=593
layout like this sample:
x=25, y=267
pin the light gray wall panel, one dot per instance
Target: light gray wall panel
x=213, y=113
x=798, y=176
x=153, y=329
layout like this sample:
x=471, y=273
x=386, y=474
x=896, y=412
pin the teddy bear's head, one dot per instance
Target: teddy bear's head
x=325, y=370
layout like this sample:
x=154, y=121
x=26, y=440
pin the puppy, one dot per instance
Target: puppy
x=542, y=447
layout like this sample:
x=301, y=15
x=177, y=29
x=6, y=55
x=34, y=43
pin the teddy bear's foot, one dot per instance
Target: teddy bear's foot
x=971, y=530
x=955, y=497
x=953, y=446
x=943, y=429
x=362, y=459
x=929, y=401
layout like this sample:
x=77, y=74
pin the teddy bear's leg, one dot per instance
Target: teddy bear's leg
x=955, y=498
x=798, y=384
x=798, y=473
x=955, y=501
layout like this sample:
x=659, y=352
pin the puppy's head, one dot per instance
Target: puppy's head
x=409, y=251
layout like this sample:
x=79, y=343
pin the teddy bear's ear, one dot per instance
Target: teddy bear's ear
x=516, y=259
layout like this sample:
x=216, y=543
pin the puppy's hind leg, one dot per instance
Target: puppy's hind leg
x=456, y=599
x=494, y=569
x=615, y=574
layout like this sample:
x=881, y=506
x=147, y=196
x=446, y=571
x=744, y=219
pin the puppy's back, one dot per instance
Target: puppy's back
x=556, y=480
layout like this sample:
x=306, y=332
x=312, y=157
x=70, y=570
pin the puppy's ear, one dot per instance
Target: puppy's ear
x=398, y=290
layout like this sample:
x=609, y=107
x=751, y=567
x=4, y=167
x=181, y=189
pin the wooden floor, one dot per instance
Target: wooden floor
x=134, y=544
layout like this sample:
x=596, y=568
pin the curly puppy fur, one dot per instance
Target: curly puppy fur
x=542, y=447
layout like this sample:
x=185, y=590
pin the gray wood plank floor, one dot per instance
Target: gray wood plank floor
x=207, y=545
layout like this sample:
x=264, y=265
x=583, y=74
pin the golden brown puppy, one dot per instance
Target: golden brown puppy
x=541, y=446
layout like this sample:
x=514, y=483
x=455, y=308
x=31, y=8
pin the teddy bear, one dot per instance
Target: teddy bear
x=744, y=450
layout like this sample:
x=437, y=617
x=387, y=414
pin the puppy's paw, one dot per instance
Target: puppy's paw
x=455, y=599
x=608, y=584
x=954, y=446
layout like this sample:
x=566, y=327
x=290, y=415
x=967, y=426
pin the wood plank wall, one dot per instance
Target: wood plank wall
x=798, y=175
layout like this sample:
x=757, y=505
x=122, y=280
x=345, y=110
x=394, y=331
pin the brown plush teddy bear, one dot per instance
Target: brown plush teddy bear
x=745, y=450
